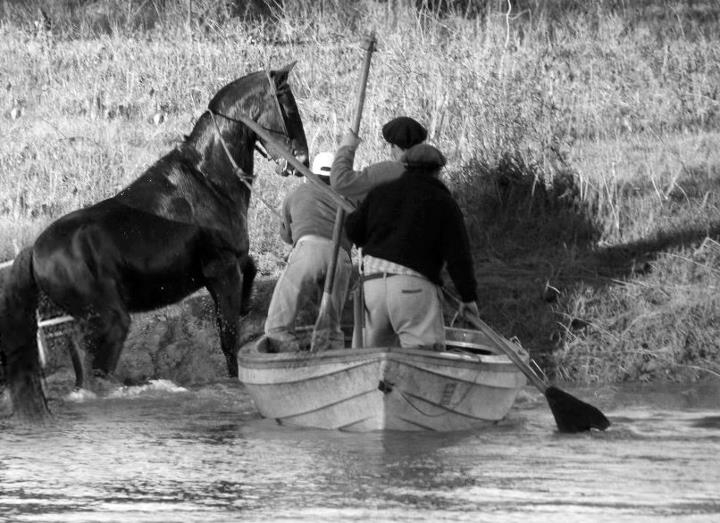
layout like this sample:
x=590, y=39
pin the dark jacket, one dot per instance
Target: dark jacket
x=414, y=221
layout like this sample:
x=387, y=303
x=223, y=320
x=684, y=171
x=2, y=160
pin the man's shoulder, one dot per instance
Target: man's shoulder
x=310, y=190
x=301, y=192
x=386, y=167
x=436, y=186
x=395, y=184
x=383, y=173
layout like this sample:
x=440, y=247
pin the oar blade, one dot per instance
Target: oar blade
x=573, y=415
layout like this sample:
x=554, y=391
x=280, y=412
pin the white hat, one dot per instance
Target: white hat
x=322, y=163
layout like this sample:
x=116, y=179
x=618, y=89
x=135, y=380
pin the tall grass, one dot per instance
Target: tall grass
x=575, y=133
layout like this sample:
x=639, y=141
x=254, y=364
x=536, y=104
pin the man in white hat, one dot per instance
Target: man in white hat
x=308, y=219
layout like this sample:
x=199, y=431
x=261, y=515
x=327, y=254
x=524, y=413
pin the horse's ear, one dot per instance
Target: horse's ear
x=281, y=75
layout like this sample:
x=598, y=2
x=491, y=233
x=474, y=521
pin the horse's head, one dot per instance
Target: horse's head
x=266, y=98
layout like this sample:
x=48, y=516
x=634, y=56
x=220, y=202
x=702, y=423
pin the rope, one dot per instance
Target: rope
x=447, y=407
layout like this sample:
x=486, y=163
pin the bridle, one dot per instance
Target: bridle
x=262, y=151
x=245, y=178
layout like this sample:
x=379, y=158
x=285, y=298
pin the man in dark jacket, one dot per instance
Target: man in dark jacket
x=408, y=229
x=400, y=133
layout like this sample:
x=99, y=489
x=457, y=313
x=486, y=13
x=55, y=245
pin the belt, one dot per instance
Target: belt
x=316, y=238
x=313, y=238
x=376, y=275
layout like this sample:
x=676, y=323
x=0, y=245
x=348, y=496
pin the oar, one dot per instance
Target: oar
x=327, y=314
x=297, y=164
x=571, y=414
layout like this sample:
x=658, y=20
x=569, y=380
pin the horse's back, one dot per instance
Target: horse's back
x=146, y=261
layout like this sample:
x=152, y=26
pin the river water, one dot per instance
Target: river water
x=162, y=453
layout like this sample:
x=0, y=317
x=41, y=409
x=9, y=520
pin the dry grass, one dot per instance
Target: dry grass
x=581, y=142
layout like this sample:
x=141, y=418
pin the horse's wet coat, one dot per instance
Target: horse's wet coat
x=180, y=226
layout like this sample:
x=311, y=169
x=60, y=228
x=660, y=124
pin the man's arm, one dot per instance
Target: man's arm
x=456, y=247
x=355, y=185
x=343, y=177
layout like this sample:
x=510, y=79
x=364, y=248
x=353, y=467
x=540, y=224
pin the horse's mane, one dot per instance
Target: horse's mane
x=224, y=101
x=251, y=88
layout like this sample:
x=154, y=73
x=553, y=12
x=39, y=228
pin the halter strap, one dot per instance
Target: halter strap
x=237, y=170
x=244, y=177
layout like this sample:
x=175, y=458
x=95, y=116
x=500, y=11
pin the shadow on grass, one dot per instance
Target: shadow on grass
x=535, y=240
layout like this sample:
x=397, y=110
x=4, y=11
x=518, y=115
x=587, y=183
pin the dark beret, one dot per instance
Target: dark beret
x=423, y=156
x=404, y=132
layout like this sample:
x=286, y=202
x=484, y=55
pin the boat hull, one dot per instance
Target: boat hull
x=388, y=388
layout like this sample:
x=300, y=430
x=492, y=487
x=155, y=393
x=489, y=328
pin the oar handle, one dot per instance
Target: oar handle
x=511, y=350
x=369, y=46
x=325, y=303
x=359, y=304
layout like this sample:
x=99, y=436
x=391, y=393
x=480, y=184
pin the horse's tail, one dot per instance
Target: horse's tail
x=18, y=339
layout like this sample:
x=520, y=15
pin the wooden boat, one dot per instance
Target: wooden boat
x=468, y=386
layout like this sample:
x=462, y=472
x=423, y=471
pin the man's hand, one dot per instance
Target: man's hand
x=350, y=140
x=468, y=309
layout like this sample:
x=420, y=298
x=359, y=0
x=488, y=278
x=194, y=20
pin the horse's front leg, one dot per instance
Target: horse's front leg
x=248, y=278
x=105, y=330
x=225, y=286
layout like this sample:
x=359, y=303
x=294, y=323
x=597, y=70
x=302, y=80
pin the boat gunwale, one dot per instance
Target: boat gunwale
x=258, y=361
x=364, y=352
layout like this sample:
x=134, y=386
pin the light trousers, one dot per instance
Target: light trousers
x=404, y=310
x=302, y=280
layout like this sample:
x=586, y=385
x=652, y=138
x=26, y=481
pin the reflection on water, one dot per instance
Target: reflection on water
x=164, y=453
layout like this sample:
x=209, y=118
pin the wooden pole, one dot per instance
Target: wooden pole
x=320, y=337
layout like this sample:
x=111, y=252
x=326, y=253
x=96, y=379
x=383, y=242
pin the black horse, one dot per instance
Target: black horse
x=181, y=226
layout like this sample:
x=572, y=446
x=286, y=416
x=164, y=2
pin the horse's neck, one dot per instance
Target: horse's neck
x=213, y=162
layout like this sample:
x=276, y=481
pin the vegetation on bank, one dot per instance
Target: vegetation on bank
x=582, y=144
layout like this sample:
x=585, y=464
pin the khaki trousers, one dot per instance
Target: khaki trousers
x=404, y=310
x=303, y=280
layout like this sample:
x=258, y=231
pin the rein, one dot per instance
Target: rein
x=245, y=178
x=262, y=151
x=237, y=170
